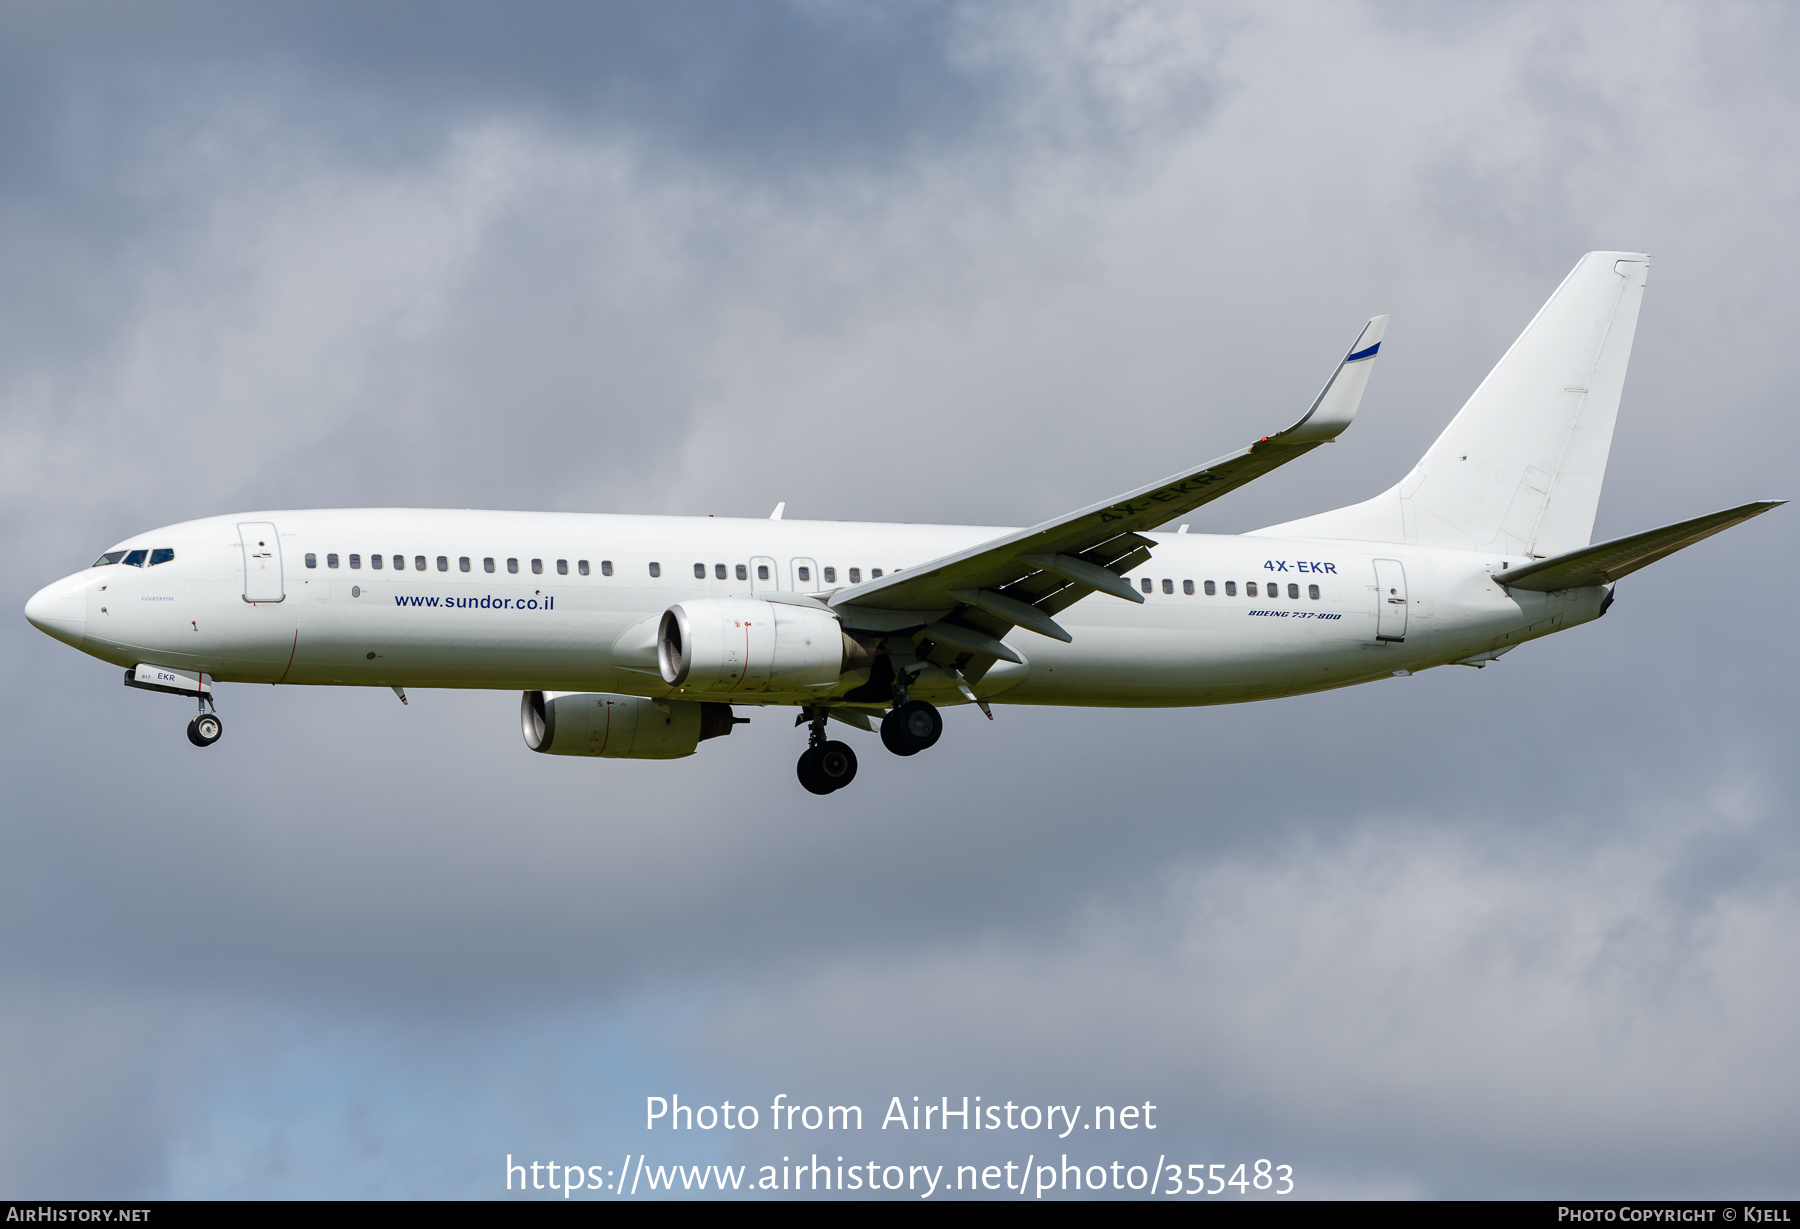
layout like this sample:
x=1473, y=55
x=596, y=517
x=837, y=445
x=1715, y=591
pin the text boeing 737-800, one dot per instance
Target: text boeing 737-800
x=632, y=636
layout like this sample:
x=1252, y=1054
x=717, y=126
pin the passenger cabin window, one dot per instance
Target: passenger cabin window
x=164, y=554
x=656, y=569
x=462, y=563
x=400, y=562
x=418, y=563
x=312, y=560
x=1249, y=589
x=136, y=558
x=856, y=576
x=443, y=563
x=1274, y=590
x=487, y=564
x=537, y=567
x=1312, y=591
x=512, y=565
x=375, y=562
x=806, y=575
x=355, y=562
x=874, y=572
x=1168, y=585
x=1145, y=585
x=331, y=561
x=743, y=573
x=606, y=567
x=562, y=567
x=699, y=571
x=109, y=558
x=831, y=576
x=1293, y=590
x=1211, y=589
x=581, y=566
x=718, y=571
x=1187, y=587
x=762, y=571
x=1231, y=588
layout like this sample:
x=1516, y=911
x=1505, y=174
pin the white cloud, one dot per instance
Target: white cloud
x=1397, y=931
x=1404, y=996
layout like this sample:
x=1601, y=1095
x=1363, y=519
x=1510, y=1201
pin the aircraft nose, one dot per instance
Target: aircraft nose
x=60, y=609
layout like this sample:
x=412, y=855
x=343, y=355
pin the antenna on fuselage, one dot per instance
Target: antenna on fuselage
x=779, y=509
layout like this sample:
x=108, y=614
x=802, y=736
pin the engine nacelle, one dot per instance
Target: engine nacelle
x=741, y=645
x=619, y=727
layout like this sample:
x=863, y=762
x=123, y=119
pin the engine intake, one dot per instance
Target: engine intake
x=745, y=645
x=619, y=727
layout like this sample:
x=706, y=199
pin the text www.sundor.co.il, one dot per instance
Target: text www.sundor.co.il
x=488, y=602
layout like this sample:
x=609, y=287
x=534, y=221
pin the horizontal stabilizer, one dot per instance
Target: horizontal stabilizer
x=1608, y=561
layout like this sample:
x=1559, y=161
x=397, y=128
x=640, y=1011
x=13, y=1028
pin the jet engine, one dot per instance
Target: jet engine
x=619, y=727
x=745, y=645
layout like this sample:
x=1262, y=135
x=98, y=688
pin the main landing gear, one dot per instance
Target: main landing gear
x=826, y=764
x=911, y=728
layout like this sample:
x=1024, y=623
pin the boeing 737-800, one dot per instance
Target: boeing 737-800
x=633, y=636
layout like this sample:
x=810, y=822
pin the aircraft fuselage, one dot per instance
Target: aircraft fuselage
x=572, y=600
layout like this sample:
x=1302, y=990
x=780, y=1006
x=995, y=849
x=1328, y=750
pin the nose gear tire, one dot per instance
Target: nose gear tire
x=204, y=730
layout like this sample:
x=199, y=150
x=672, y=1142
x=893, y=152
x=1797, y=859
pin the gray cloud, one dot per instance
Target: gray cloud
x=1450, y=934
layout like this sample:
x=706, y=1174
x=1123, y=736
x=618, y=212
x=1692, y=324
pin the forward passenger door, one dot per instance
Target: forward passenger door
x=262, y=561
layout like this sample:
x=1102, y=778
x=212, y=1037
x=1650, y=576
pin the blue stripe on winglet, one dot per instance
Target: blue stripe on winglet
x=1369, y=353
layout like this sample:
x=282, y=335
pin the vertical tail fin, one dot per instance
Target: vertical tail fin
x=1519, y=469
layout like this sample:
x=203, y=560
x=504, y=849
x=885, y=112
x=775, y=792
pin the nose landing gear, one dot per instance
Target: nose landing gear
x=204, y=730
x=826, y=764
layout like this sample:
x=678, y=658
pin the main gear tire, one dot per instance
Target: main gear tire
x=827, y=767
x=808, y=772
x=835, y=764
x=911, y=728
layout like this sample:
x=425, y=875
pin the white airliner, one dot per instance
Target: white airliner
x=633, y=636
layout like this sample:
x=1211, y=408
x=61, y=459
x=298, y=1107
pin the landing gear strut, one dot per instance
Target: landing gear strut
x=204, y=730
x=826, y=764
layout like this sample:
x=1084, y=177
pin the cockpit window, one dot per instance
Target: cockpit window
x=135, y=559
x=162, y=554
x=109, y=558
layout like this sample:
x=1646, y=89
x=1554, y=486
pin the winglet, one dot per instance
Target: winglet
x=1335, y=406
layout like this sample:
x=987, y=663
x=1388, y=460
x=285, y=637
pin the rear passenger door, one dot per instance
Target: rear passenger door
x=1390, y=600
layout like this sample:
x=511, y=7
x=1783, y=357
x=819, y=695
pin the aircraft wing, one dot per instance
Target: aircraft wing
x=1605, y=562
x=976, y=595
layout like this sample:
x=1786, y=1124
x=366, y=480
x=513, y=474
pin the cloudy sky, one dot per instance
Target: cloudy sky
x=1529, y=930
